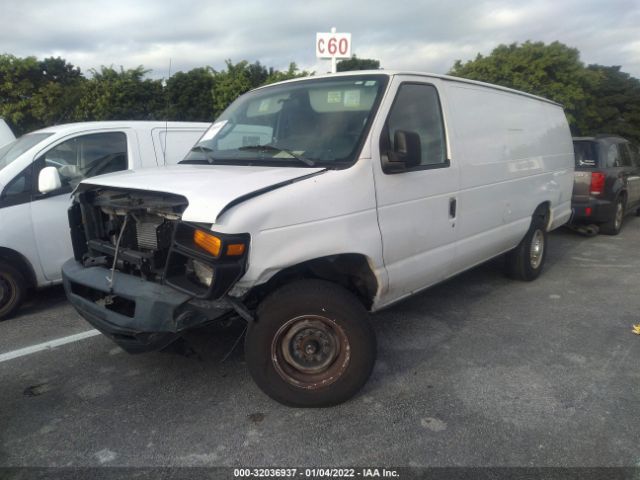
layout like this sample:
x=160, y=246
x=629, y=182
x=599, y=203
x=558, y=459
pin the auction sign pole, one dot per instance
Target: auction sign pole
x=333, y=45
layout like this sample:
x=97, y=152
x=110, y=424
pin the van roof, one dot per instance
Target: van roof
x=449, y=78
x=132, y=124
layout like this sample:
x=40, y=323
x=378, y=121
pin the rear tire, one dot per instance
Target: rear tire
x=525, y=262
x=614, y=225
x=13, y=287
x=311, y=345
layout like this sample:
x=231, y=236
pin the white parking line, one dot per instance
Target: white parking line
x=47, y=345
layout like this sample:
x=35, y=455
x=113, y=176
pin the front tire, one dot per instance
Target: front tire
x=13, y=288
x=311, y=345
x=525, y=262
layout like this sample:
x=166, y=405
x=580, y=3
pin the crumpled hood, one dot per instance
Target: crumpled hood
x=208, y=188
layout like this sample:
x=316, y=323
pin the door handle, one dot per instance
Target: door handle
x=452, y=207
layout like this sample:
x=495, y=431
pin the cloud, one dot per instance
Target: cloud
x=409, y=35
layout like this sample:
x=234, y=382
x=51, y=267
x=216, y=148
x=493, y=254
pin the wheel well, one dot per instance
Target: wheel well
x=21, y=263
x=544, y=211
x=623, y=195
x=350, y=270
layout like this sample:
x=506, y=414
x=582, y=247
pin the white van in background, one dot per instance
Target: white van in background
x=310, y=202
x=6, y=135
x=38, y=172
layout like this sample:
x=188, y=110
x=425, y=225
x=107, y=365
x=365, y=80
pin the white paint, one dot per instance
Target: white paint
x=47, y=345
x=208, y=188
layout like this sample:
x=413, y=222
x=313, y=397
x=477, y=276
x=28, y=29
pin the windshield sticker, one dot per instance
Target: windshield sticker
x=334, y=97
x=352, y=98
x=213, y=130
x=369, y=83
x=285, y=154
x=264, y=105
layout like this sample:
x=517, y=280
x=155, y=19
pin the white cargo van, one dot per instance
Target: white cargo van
x=38, y=172
x=310, y=202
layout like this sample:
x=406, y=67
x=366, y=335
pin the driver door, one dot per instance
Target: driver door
x=76, y=158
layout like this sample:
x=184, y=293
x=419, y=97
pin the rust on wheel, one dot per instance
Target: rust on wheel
x=310, y=351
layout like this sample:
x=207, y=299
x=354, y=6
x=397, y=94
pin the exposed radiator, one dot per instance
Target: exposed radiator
x=147, y=235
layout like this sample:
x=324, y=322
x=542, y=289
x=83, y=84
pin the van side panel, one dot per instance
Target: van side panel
x=559, y=154
x=514, y=153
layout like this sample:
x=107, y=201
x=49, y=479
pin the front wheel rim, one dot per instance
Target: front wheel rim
x=310, y=351
x=536, y=251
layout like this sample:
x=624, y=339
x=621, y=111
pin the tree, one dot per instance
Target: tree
x=190, y=96
x=237, y=79
x=616, y=104
x=552, y=71
x=35, y=93
x=121, y=95
x=291, y=73
x=355, y=63
x=229, y=84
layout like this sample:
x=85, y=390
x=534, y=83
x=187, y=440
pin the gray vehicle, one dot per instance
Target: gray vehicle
x=607, y=183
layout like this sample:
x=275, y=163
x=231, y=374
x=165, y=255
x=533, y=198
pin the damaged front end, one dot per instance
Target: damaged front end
x=140, y=274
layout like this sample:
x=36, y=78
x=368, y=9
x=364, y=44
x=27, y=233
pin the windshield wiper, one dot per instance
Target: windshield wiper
x=271, y=148
x=208, y=153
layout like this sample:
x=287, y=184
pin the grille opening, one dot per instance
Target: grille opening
x=114, y=303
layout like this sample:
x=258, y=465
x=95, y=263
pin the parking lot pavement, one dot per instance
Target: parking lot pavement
x=478, y=371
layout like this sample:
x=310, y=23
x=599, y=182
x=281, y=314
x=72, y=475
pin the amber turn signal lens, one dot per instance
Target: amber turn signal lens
x=235, y=249
x=207, y=242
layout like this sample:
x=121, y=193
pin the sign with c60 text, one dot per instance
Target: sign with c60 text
x=333, y=45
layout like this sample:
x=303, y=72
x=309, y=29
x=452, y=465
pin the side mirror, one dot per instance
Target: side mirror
x=49, y=180
x=407, y=152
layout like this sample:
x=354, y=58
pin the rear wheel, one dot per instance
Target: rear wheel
x=614, y=225
x=311, y=345
x=526, y=260
x=12, y=289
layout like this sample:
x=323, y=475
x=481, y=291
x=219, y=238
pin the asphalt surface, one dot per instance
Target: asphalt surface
x=478, y=371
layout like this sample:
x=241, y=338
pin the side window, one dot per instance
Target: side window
x=417, y=109
x=87, y=156
x=635, y=154
x=17, y=190
x=612, y=156
x=625, y=155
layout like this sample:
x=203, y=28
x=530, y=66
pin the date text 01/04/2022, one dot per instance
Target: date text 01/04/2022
x=315, y=472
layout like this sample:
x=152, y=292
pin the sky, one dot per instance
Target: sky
x=420, y=35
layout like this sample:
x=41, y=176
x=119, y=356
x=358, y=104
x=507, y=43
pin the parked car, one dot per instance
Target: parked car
x=607, y=182
x=6, y=135
x=38, y=172
x=310, y=202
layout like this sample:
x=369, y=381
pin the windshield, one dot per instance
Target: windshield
x=317, y=122
x=12, y=150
